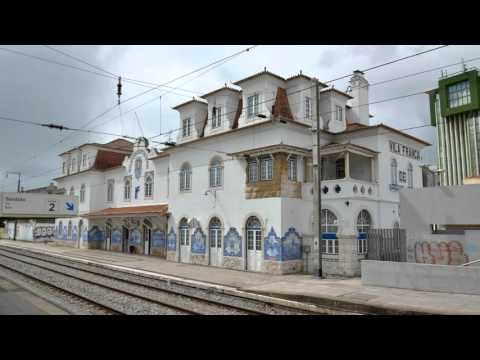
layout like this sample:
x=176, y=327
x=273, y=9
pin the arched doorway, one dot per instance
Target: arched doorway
x=253, y=235
x=215, y=239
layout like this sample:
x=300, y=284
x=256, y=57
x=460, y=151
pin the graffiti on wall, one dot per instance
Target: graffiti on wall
x=291, y=245
x=171, y=240
x=198, y=241
x=272, y=246
x=158, y=238
x=43, y=232
x=232, y=243
x=442, y=253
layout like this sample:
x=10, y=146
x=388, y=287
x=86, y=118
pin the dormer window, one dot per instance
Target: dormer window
x=187, y=127
x=216, y=117
x=308, y=107
x=84, y=161
x=63, y=167
x=338, y=113
x=74, y=162
x=252, y=105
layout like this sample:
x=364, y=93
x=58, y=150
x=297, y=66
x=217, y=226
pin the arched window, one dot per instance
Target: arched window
x=184, y=232
x=396, y=225
x=252, y=170
x=72, y=191
x=127, y=189
x=186, y=177
x=69, y=231
x=149, y=185
x=215, y=233
x=329, y=227
x=216, y=173
x=394, y=172
x=254, y=233
x=410, y=175
x=364, y=223
x=292, y=168
x=82, y=193
x=110, y=191
x=138, y=167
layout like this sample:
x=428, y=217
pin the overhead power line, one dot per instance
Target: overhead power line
x=222, y=60
x=329, y=81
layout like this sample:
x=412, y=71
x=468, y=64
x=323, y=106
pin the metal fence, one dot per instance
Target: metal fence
x=387, y=245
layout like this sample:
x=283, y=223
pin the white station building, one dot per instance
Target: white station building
x=237, y=189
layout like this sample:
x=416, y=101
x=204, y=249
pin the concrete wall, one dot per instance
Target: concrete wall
x=425, y=277
x=444, y=205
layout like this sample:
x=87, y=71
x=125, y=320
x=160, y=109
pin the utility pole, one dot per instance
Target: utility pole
x=319, y=179
x=18, y=190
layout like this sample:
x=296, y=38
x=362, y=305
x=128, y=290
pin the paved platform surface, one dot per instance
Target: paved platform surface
x=347, y=293
x=15, y=300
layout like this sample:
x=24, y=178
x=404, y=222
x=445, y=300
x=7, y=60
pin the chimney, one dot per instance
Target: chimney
x=360, y=109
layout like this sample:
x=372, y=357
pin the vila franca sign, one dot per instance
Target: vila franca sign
x=404, y=150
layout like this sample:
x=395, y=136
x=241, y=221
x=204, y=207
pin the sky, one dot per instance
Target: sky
x=44, y=92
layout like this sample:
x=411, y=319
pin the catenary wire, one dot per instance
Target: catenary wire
x=223, y=60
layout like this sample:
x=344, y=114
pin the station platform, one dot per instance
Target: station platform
x=347, y=294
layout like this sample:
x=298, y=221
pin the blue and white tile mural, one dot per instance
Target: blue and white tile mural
x=198, y=242
x=135, y=237
x=85, y=235
x=272, y=246
x=232, y=243
x=64, y=237
x=172, y=240
x=159, y=239
x=95, y=234
x=116, y=236
x=74, y=234
x=291, y=245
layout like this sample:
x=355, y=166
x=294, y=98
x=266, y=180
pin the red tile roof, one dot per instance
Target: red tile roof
x=281, y=106
x=131, y=210
x=108, y=159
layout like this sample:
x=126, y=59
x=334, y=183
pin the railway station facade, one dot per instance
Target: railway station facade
x=237, y=189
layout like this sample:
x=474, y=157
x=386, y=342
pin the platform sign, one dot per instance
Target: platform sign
x=37, y=205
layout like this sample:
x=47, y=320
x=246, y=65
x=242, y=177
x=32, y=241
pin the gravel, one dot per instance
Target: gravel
x=193, y=298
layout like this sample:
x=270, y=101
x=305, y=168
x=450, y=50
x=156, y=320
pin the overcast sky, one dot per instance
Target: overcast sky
x=43, y=92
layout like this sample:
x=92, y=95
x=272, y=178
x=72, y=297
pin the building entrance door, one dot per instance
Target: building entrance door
x=254, y=244
x=147, y=237
x=215, y=238
x=108, y=237
x=124, y=239
x=184, y=241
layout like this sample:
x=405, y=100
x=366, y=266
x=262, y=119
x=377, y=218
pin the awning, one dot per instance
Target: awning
x=145, y=210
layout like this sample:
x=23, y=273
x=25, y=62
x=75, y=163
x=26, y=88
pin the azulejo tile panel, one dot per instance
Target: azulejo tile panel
x=232, y=243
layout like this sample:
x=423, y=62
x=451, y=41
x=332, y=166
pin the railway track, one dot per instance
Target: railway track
x=120, y=292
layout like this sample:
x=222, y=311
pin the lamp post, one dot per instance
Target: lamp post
x=18, y=190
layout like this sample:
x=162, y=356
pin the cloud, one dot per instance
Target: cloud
x=38, y=91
